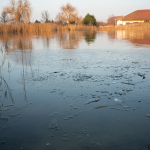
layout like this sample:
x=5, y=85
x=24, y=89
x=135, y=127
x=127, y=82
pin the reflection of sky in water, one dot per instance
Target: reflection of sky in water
x=93, y=97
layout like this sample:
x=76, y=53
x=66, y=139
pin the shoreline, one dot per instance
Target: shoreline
x=46, y=27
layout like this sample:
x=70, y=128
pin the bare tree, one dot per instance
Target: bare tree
x=23, y=11
x=78, y=19
x=59, y=18
x=45, y=17
x=4, y=15
x=11, y=10
x=111, y=20
x=20, y=11
x=27, y=8
x=68, y=13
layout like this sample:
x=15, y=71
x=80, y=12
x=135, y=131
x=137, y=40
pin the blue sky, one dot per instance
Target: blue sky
x=101, y=9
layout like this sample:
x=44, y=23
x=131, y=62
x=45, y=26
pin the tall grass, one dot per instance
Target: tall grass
x=20, y=28
x=46, y=27
x=134, y=26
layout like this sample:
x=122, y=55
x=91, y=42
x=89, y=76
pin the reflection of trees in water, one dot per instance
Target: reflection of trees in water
x=4, y=87
x=46, y=38
x=16, y=46
x=6, y=93
x=19, y=46
x=66, y=39
x=69, y=40
x=90, y=36
x=14, y=42
x=111, y=34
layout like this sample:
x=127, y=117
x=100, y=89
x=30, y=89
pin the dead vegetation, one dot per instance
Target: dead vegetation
x=46, y=27
x=134, y=26
x=39, y=27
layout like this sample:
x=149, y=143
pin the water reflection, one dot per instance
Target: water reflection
x=138, y=38
x=5, y=90
x=90, y=37
x=70, y=40
x=111, y=34
x=73, y=102
x=14, y=42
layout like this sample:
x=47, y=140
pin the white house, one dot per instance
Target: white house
x=138, y=16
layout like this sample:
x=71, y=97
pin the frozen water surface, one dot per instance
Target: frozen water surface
x=75, y=91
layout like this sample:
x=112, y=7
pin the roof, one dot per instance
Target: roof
x=138, y=15
x=114, y=18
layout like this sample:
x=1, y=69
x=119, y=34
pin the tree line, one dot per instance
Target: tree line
x=20, y=12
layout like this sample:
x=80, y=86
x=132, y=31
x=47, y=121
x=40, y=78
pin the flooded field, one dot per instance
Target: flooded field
x=75, y=91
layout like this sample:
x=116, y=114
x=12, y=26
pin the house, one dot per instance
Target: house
x=135, y=17
x=113, y=20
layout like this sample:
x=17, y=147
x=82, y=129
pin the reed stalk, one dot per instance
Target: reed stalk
x=46, y=27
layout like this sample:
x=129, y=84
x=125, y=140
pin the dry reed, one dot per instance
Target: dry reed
x=134, y=26
x=46, y=27
x=20, y=28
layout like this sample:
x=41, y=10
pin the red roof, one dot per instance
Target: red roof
x=114, y=17
x=138, y=15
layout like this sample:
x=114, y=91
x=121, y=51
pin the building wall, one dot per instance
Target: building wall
x=119, y=22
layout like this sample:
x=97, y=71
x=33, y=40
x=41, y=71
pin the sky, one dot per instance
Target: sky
x=101, y=9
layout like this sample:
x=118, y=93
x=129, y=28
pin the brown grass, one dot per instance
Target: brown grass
x=136, y=26
x=46, y=27
x=20, y=28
